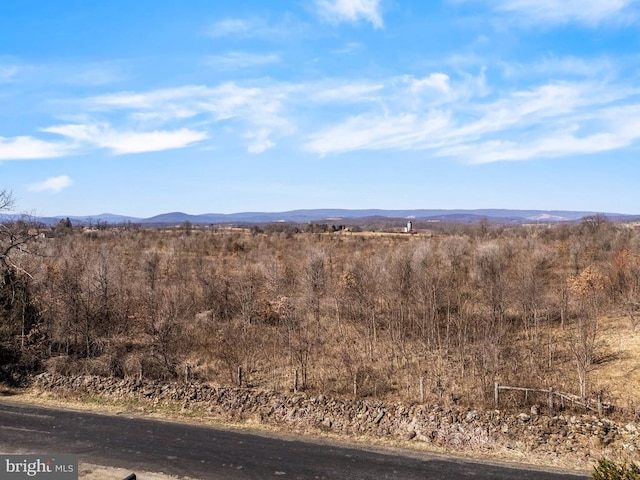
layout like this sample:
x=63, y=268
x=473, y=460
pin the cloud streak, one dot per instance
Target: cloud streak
x=27, y=148
x=126, y=142
x=551, y=120
x=8, y=73
x=240, y=60
x=257, y=112
x=230, y=27
x=51, y=184
x=248, y=28
x=588, y=12
x=454, y=114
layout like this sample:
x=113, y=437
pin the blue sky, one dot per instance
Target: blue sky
x=145, y=107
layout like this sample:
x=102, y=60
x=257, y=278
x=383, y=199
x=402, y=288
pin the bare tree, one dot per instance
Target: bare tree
x=359, y=290
x=625, y=281
x=533, y=275
x=587, y=287
x=314, y=281
x=14, y=235
x=299, y=338
x=429, y=293
x=398, y=287
x=17, y=314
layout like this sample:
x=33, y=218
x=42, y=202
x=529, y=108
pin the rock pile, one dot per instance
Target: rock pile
x=583, y=437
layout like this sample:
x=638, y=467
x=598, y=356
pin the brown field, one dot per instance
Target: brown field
x=435, y=317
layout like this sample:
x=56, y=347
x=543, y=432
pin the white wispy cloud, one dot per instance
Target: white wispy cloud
x=354, y=91
x=550, y=120
x=258, y=111
x=557, y=144
x=8, y=73
x=589, y=12
x=378, y=132
x=249, y=108
x=472, y=116
x=252, y=27
x=348, y=49
x=143, y=100
x=27, y=147
x=567, y=67
x=436, y=81
x=224, y=101
x=259, y=141
x=230, y=27
x=125, y=142
x=138, y=142
x=338, y=11
x=62, y=73
x=239, y=60
x=405, y=112
x=17, y=70
x=87, y=74
x=52, y=184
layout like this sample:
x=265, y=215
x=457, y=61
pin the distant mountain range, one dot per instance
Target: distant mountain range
x=336, y=216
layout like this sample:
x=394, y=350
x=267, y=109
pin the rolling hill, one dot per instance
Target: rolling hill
x=344, y=215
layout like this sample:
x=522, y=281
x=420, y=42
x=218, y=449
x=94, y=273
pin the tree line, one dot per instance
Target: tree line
x=453, y=310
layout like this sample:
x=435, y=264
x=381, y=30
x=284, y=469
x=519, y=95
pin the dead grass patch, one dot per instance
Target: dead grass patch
x=620, y=376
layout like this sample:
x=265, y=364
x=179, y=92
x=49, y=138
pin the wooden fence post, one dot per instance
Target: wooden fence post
x=600, y=403
x=239, y=376
x=495, y=393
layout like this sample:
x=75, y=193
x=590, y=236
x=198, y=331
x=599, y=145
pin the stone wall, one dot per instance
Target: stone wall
x=577, y=438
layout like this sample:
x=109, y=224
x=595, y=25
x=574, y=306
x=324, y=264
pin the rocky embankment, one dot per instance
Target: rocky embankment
x=580, y=439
